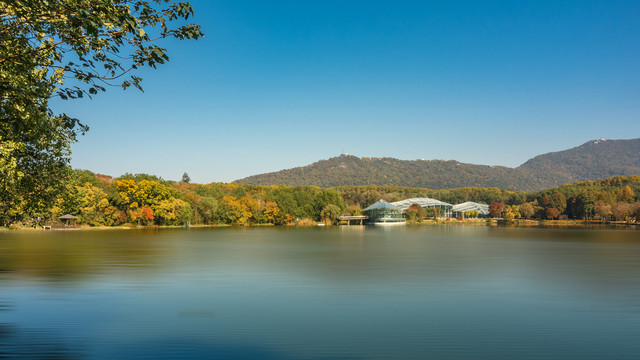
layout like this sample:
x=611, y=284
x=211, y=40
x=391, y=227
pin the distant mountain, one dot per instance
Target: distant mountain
x=591, y=161
x=597, y=159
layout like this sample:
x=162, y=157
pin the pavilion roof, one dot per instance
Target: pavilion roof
x=472, y=206
x=422, y=202
x=381, y=204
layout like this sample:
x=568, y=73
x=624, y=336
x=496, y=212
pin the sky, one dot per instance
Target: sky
x=280, y=84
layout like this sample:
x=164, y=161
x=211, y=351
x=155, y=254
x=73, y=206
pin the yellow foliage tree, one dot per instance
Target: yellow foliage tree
x=233, y=211
x=271, y=211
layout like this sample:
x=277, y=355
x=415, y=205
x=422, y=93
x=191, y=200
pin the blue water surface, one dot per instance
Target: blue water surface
x=412, y=292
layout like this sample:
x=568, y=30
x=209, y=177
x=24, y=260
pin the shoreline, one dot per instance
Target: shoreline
x=573, y=224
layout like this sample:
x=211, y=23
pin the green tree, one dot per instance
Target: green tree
x=68, y=48
x=558, y=201
x=330, y=213
x=583, y=204
x=208, y=209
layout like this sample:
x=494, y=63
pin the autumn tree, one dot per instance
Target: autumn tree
x=233, y=211
x=603, y=210
x=622, y=211
x=511, y=212
x=526, y=210
x=146, y=216
x=173, y=211
x=272, y=212
x=69, y=49
x=93, y=201
x=626, y=194
x=495, y=209
x=551, y=213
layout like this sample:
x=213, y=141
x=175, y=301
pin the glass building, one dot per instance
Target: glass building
x=383, y=213
x=460, y=209
x=427, y=203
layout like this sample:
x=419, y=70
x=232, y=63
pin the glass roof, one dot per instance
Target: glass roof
x=423, y=202
x=472, y=206
x=381, y=204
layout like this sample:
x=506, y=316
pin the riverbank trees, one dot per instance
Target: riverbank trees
x=143, y=199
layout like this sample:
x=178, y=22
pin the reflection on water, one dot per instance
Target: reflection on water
x=18, y=344
x=333, y=293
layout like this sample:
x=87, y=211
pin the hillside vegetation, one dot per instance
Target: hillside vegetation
x=591, y=161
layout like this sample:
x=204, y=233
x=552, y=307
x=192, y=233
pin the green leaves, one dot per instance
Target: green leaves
x=67, y=48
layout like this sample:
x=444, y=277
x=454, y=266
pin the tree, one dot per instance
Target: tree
x=233, y=211
x=330, y=213
x=558, y=201
x=93, y=201
x=511, y=212
x=626, y=194
x=411, y=214
x=67, y=48
x=271, y=211
x=208, y=209
x=526, y=210
x=146, y=215
x=603, y=210
x=622, y=211
x=495, y=209
x=551, y=213
x=185, y=178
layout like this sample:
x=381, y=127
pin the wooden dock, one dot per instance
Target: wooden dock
x=356, y=219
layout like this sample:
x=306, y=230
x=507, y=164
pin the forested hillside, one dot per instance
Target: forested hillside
x=348, y=170
x=597, y=159
x=594, y=160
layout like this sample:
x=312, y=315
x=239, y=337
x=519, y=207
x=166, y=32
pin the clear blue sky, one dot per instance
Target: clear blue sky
x=279, y=84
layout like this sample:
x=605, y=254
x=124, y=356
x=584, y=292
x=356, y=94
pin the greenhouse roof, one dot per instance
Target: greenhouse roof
x=422, y=202
x=472, y=206
x=381, y=204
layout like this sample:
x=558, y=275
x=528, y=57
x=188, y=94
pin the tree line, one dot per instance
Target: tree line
x=616, y=198
x=142, y=199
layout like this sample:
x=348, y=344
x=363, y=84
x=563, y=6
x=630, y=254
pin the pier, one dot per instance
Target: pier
x=356, y=219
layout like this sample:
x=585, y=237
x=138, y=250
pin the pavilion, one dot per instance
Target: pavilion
x=427, y=203
x=383, y=213
x=67, y=219
x=459, y=210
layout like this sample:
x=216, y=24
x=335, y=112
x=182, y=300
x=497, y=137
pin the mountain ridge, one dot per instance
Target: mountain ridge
x=595, y=159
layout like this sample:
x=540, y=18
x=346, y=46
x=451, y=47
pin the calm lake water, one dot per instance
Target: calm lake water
x=424, y=292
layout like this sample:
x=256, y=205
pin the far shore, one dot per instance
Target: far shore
x=524, y=223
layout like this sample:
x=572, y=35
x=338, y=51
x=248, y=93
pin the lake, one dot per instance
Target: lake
x=408, y=292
